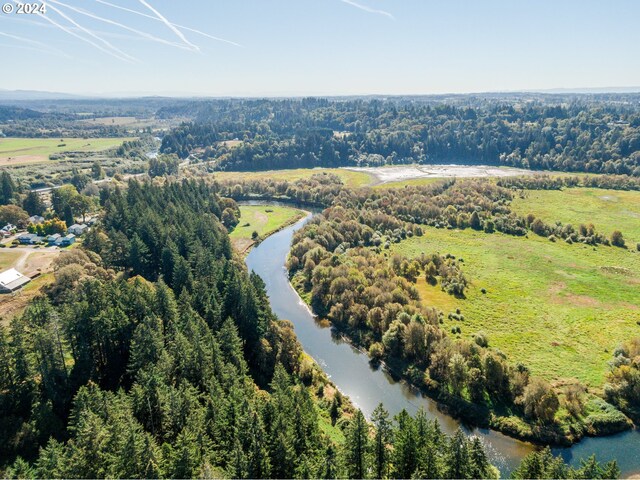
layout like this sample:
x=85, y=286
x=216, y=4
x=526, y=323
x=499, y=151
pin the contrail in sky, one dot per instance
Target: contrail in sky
x=368, y=9
x=36, y=44
x=111, y=22
x=90, y=33
x=170, y=25
x=70, y=32
x=174, y=24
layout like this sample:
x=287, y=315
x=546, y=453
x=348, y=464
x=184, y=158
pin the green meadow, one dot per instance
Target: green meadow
x=349, y=178
x=560, y=309
x=608, y=210
x=262, y=219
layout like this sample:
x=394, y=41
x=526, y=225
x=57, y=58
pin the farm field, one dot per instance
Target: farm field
x=349, y=177
x=19, y=151
x=560, y=309
x=608, y=210
x=262, y=219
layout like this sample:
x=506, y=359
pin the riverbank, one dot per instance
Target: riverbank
x=263, y=220
x=602, y=419
x=350, y=370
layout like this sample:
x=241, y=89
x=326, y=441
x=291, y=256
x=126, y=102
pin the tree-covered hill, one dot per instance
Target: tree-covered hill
x=587, y=133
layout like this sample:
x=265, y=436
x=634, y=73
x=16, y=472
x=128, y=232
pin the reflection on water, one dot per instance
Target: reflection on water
x=368, y=385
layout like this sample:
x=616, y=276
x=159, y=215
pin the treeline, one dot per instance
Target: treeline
x=546, y=182
x=47, y=121
x=66, y=205
x=478, y=204
x=623, y=381
x=581, y=134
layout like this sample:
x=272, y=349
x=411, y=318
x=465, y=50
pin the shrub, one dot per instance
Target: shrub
x=617, y=239
x=481, y=339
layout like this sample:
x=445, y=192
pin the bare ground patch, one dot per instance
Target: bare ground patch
x=400, y=173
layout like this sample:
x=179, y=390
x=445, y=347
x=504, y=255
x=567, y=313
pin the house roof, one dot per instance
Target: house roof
x=12, y=279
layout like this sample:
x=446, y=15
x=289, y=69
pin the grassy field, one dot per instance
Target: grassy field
x=8, y=258
x=30, y=262
x=414, y=182
x=608, y=210
x=262, y=219
x=560, y=309
x=16, y=151
x=350, y=178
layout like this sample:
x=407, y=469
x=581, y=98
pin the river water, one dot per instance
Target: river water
x=350, y=370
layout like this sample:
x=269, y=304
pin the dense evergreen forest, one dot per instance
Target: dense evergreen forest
x=586, y=133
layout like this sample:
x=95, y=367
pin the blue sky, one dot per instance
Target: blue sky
x=321, y=47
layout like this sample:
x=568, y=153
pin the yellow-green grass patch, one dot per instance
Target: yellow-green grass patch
x=608, y=210
x=263, y=219
x=16, y=151
x=231, y=143
x=350, y=178
x=560, y=309
x=8, y=258
x=413, y=182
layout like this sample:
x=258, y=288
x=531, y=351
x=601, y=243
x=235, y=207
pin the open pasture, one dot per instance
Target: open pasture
x=262, y=219
x=560, y=309
x=608, y=210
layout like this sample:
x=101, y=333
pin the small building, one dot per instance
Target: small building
x=29, y=239
x=52, y=239
x=36, y=219
x=7, y=230
x=11, y=280
x=66, y=240
x=77, y=229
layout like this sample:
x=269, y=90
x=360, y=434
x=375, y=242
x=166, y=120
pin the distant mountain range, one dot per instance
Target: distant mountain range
x=26, y=95
x=35, y=95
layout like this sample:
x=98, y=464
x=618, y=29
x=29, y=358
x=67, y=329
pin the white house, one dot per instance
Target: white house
x=36, y=219
x=8, y=230
x=11, y=280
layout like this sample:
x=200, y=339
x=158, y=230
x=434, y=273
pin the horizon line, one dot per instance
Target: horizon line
x=280, y=95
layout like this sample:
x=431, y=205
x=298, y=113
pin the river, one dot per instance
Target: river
x=350, y=370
